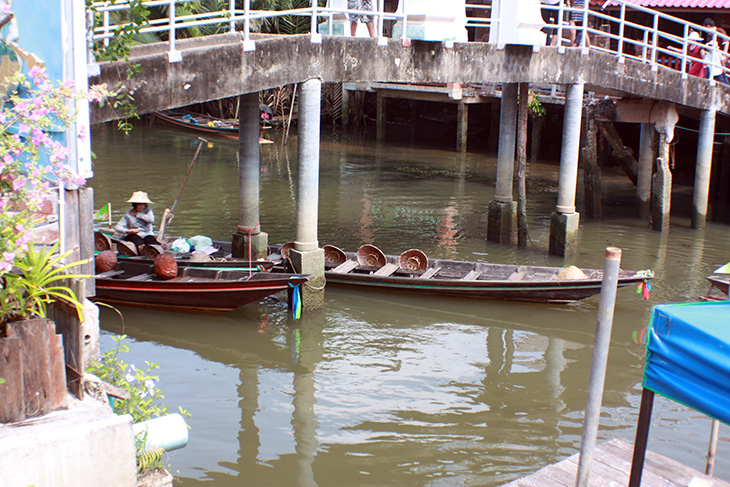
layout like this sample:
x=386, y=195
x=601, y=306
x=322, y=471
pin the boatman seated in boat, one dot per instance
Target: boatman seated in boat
x=136, y=224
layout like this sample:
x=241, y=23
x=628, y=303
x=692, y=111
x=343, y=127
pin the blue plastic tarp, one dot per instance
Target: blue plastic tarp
x=688, y=356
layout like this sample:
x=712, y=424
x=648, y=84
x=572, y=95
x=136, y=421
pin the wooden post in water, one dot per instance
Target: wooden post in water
x=598, y=364
x=522, y=165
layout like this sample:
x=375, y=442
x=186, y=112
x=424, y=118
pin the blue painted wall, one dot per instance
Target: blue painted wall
x=39, y=26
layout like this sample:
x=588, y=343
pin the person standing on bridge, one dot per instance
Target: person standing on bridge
x=694, y=51
x=550, y=14
x=355, y=18
x=576, y=20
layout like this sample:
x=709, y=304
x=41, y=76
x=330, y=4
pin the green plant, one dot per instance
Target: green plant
x=535, y=106
x=148, y=459
x=285, y=24
x=38, y=280
x=144, y=401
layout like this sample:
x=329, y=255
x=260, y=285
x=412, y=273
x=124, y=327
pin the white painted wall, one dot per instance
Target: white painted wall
x=520, y=23
x=433, y=20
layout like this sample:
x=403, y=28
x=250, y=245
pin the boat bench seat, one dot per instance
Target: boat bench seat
x=429, y=273
x=345, y=267
x=386, y=270
x=141, y=277
x=472, y=276
x=516, y=276
x=109, y=274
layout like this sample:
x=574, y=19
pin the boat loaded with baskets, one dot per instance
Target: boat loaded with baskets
x=177, y=281
x=413, y=272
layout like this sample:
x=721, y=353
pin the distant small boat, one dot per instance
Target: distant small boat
x=412, y=272
x=722, y=284
x=202, y=124
x=135, y=283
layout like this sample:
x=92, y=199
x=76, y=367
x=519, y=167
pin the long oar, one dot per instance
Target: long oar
x=168, y=215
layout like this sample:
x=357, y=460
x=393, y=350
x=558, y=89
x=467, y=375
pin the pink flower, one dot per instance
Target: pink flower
x=18, y=183
x=4, y=8
x=97, y=93
x=8, y=256
x=5, y=266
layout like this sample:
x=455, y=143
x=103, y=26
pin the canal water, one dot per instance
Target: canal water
x=384, y=389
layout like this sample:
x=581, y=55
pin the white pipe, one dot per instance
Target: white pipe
x=166, y=432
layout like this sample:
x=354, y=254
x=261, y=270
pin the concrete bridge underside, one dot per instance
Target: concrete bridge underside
x=217, y=67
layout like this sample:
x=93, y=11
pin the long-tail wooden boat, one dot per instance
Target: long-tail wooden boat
x=199, y=123
x=202, y=124
x=412, y=272
x=193, y=289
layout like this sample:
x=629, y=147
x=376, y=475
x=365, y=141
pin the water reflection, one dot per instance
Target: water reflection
x=383, y=389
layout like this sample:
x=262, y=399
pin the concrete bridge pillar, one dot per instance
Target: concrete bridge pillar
x=661, y=188
x=665, y=117
x=703, y=169
x=249, y=234
x=646, y=167
x=306, y=256
x=503, y=210
x=565, y=221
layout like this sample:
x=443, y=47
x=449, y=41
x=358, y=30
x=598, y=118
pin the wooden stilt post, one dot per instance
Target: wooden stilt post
x=522, y=166
x=642, y=437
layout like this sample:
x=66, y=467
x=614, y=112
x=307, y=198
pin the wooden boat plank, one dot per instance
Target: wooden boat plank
x=140, y=277
x=386, y=270
x=108, y=274
x=473, y=275
x=516, y=276
x=345, y=267
x=430, y=273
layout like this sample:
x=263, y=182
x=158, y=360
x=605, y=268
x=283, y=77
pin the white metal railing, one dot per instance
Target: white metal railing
x=664, y=41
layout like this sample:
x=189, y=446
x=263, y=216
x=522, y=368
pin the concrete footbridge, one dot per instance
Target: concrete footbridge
x=642, y=69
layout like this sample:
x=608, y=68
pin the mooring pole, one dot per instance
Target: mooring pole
x=598, y=364
x=712, y=450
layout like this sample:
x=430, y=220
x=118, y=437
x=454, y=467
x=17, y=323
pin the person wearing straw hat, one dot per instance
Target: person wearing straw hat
x=136, y=224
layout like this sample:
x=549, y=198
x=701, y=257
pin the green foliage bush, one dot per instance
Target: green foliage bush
x=145, y=398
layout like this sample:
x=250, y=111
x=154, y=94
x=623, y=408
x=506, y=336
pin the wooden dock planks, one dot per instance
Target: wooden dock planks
x=611, y=467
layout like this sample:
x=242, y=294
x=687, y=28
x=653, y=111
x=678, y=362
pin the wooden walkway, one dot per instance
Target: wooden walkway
x=611, y=467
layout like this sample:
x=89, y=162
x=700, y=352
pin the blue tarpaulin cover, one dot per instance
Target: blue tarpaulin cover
x=688, y=356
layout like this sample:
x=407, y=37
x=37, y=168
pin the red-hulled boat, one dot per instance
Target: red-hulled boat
x=193, y=289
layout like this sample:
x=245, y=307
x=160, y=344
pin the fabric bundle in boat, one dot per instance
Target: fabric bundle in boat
x=571, y=272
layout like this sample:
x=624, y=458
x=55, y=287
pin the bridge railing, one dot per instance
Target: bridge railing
x=663, y=41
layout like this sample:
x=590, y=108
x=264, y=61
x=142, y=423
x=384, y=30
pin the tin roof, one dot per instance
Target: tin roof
x=673, y=4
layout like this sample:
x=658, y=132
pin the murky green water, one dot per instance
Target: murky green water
x=382, y=389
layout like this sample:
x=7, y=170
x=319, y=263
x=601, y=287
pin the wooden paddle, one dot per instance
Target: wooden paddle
x=168, y=215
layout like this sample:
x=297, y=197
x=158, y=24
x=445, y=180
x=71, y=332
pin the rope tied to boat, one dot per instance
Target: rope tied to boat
x=249, y=231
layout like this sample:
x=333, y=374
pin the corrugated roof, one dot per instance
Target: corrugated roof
x=699, y=4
